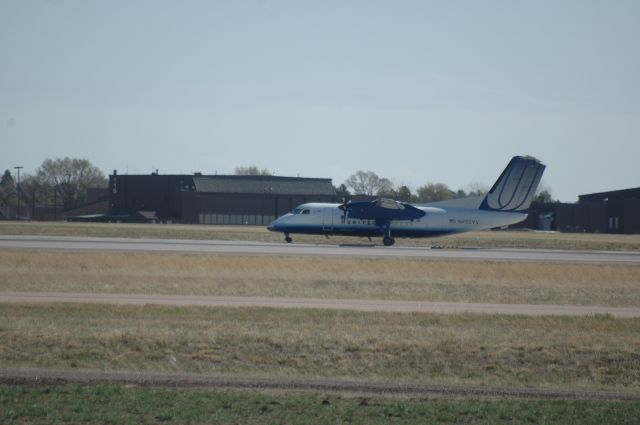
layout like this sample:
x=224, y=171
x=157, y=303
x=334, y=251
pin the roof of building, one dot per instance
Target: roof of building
x=265, y=184
x=600, y=196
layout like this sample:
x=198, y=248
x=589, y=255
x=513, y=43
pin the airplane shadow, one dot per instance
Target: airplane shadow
x=358, y=245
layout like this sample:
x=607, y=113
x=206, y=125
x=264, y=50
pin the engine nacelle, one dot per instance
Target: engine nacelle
x=382, y=210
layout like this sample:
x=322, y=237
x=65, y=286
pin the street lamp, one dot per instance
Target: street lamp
x=18, y=167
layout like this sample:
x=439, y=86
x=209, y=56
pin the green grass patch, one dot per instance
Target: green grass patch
x=105, y=404
x=554, y=352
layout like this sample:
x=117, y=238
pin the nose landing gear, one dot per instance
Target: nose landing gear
x=388, y=241
x=287, y=238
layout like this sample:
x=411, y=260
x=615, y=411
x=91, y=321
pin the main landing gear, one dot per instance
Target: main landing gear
x=387, y=240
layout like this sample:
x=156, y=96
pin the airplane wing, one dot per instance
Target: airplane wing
x=381, y=210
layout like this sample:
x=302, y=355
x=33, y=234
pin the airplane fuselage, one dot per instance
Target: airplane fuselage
x=329, y=219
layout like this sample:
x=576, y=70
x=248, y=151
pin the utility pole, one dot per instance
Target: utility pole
x=18, y=167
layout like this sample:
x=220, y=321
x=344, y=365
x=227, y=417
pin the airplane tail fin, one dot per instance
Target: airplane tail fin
x=515, y=188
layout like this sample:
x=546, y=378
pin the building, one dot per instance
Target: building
x=622, y=209
x=211, y=199
x=615, y=211
x=566, y=217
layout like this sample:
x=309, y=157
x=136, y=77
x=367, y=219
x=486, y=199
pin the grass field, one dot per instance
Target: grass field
x=504, y=239
x=384, y=279
x=547, y=352
x=596, y=352
x=111, y=404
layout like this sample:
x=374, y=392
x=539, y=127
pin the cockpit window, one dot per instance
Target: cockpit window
x=306, y=212
x=296, y=211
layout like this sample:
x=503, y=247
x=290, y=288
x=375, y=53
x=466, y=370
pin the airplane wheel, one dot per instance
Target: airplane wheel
x=288, y=239
x=388, y=241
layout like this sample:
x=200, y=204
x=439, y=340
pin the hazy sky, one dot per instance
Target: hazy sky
x=416, y=91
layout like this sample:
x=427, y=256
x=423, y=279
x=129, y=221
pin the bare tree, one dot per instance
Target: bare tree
x=251, y=170
x=477, y=189
x=342, y=191
x=385, y=188
x=369, y=183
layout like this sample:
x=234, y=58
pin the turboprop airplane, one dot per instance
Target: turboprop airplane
x=506, y=203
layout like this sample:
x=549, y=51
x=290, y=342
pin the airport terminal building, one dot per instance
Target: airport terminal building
x=211, y=199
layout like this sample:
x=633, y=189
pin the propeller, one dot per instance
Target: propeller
x=344, y=208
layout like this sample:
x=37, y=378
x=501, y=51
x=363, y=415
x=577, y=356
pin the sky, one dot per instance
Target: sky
x=416, y=91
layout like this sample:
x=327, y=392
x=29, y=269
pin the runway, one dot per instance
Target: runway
x=81, y=244
x=318, y=303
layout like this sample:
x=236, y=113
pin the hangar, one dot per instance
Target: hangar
x=211, y=199
x=622, y=209
x=616, y=211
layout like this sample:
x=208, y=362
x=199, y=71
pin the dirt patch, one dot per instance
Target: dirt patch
x=91, y=377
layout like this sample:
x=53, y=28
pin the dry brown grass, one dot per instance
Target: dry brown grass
x=588, y=352
x=388, y=279
x=510, y=239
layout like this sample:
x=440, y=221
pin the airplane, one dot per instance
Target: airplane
x=506, y=203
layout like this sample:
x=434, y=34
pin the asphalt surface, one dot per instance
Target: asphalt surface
x=36, y=377
x=264, y=248
x=319, y=303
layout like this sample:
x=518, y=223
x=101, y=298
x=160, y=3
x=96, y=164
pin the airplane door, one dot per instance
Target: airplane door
x=327, y=219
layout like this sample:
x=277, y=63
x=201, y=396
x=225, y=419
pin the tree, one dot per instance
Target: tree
x=386, y=188
x=404, y=194
x=251, y=170
x=8, y=191
x=69, y=178
x=368, y=183
x=543, y=194
x=433, y=192
x=460, y=194
x=33, y=191
x=342, y=191
x=477, y=189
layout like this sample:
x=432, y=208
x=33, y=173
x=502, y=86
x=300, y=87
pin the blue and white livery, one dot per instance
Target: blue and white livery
x=506, y=203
